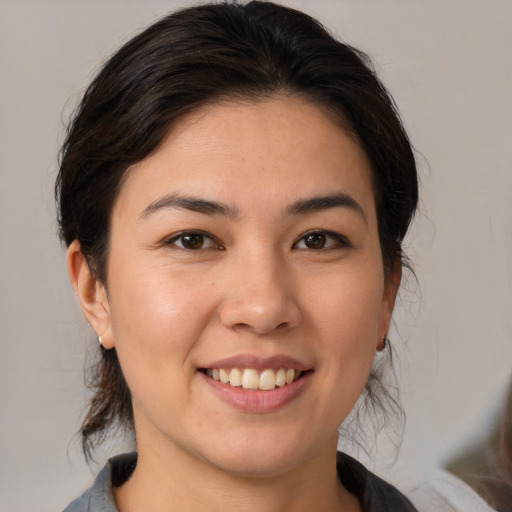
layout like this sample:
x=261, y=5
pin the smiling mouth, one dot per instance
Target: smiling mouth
x=252, y=379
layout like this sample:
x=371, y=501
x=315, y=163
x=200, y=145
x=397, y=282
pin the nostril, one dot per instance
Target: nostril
x=241, y=326
x=260, y=328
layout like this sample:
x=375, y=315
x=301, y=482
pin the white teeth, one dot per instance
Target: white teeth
x=224, y=376
x=281, y=377
x=267, y=380
x=249, y=378
x=235, y=377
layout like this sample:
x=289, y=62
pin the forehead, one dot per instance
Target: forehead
x=236, y=150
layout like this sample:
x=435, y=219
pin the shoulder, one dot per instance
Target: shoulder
x=81, y=504
x=100, y=497
x=374, y=494
x=438, y=491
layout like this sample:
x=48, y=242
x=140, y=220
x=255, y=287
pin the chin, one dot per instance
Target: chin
x=257, y=467
x=257, y=456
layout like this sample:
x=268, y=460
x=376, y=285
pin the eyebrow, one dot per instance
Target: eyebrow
x=207, y=207
x=175, y=201
x=316, y=204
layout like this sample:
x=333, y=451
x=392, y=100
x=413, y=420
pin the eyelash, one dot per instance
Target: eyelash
x=337, y=240
x=199, y=234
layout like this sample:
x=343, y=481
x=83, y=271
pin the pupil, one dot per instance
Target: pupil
x=316, y=241
x=193, y=241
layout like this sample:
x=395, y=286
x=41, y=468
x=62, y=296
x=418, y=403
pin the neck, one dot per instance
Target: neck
x=173, y=480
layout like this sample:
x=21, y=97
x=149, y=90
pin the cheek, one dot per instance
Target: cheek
x=156, y=322
x=349, y=305
x=154, y=313
x=347, y=317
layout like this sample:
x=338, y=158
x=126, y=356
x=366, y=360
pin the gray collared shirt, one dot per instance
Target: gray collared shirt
x=100, y=497
x=374, y=494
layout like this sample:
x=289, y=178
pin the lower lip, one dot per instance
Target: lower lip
x=257, y=401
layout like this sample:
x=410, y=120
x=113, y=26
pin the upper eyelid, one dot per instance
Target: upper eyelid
x=327, y=232
x=176, y=236
x=184, y=232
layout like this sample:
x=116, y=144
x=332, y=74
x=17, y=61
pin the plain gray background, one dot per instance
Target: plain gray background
x=449, y=67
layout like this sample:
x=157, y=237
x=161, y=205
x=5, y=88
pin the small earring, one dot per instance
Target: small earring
x=384, y=346
x=100, y=340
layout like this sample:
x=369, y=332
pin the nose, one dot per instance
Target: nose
x=260, y=297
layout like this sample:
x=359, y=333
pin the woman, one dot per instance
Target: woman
x=234, y=190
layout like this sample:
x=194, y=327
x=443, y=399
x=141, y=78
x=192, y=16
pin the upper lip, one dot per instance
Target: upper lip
x=259, y=363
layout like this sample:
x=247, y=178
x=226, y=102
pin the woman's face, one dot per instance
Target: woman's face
x=246, y=248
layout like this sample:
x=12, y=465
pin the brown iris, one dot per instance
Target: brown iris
x=193, y=241
x=315, y=240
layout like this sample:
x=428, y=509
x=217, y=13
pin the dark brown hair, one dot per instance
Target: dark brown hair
x=197, y=56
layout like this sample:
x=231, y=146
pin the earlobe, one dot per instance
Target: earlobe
x=91, y=294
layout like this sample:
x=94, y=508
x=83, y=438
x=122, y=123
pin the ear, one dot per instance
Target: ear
x=391, y=286
x=91, y=294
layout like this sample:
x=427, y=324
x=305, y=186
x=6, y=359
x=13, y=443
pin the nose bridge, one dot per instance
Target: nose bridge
x=260, y=293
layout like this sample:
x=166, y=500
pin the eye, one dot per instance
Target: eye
x=193, y=241
x=318, y=240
